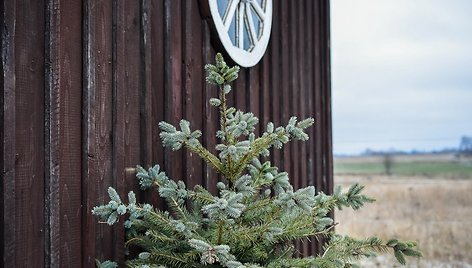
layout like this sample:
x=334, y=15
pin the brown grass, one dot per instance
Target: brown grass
x=437, y=213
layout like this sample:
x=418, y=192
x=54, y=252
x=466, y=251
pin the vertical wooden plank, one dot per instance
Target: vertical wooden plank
x=316, y=107
x=302, y=78
x=290, y=162
x=299, y=154
x=294, y=73
x=129, y=105
x=317, y=96
x=173, y=81
x=211, y=124
x=211, y=114
x=157, y=80
x=298, y=157
x=301, y=32
x=310, y=47
x=275, y=73
x=63, y=125
x=152, y=49
x=232, y=97
x=285, y=76
x=146, y=83
x=192, y=83
x=265, y=92
x=318, y=104
x=253, y=93
x=52, y=103
x=327, y=98
x=308, y=70
x=97, y=127
x=240, y=90
x=8, y=134
x=325, y=102
x=29, y=142
x=157, y=67
x=71, y=87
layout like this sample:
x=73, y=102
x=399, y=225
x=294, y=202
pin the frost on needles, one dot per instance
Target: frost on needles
x=256, y=216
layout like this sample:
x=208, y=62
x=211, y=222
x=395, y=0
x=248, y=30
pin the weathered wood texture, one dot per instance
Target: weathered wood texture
x=84, y=84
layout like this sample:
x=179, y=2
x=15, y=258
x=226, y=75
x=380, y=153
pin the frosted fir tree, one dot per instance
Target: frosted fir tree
x=256, y=216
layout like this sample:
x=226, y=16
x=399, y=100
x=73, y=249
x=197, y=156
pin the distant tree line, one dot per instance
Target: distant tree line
x=370, y=152
x=464, y=149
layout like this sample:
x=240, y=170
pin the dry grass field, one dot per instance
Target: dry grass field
x=432, y=207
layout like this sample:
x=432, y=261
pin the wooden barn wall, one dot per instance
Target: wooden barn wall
x=84, y=84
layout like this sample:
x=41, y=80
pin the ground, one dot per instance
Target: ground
x=427, y=198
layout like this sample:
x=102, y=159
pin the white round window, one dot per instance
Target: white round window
x=243, y=28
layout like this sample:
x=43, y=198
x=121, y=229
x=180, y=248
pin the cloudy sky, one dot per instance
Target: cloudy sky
x=401, y=74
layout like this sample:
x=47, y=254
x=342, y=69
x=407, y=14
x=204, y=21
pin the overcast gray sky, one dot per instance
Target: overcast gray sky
x=401, y=74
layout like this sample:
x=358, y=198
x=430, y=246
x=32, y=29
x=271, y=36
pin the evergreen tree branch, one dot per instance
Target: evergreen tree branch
x=259, y=145
x=223, y=116
x=220, y=232
x=257, y=214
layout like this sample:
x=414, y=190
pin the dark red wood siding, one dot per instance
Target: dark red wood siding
x=84, y=84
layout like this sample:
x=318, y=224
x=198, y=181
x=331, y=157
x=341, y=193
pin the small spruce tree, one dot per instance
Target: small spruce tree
x=256, y=215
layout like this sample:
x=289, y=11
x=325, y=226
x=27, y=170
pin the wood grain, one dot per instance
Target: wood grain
x=97, y=127
x=8, y=134
x=29, y=134
x=84, y=86
x=63, y=138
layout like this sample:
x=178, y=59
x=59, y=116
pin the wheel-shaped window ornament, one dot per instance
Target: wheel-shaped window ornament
x=243, y=27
